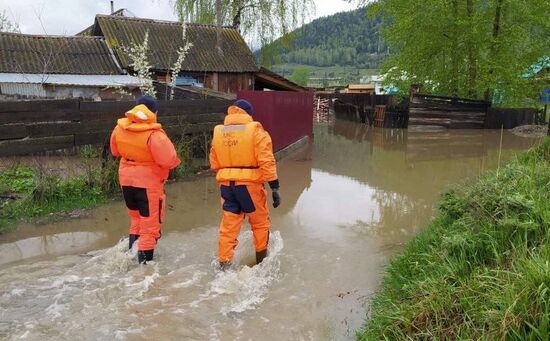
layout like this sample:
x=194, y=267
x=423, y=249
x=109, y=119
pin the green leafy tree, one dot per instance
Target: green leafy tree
x=473, y=48
x=300, y=75
x=261, y=20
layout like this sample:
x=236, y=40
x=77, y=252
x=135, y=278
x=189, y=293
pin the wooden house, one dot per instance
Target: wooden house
x=228, y=69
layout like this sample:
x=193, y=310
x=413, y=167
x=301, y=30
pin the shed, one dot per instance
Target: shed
x=368, y=88
x=268, y=80
x=36, y=66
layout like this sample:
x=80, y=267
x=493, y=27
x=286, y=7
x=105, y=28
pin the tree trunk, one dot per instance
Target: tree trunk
x=496, y=33
x=472, y=64
x=237, y=18
x=219, y=23
x=454, y=54
x=498, y=15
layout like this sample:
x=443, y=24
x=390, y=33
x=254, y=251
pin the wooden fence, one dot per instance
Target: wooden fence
x=362, y=107
x=509, y=118
x=448, y=112
x=30, y=127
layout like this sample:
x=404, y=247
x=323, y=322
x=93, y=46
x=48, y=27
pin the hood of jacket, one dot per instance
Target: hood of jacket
x=139, y=118
x=236, y=116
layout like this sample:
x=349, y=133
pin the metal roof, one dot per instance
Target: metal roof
x=542, y=64
x=63, y=79
x=24, y=53
x=165, y=37
x=367, y=86
x=277, y=82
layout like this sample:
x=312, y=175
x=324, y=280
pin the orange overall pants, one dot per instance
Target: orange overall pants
x=239, y=201
x=146, y=208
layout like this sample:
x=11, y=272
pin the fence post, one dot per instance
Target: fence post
x=318, y=105
x=545, y=111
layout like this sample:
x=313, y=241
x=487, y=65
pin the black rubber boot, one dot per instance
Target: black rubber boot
x=132, y=239
x=225, y=265
x=145, y=256
x=260, y=256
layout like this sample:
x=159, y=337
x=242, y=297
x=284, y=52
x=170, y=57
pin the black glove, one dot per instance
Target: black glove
x=276, y=198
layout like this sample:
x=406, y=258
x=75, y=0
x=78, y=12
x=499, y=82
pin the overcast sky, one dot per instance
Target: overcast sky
x=72, y=16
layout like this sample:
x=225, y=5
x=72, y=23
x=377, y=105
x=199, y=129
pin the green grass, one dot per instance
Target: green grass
x=40, y=193
x=58, y=197
x=481, y=270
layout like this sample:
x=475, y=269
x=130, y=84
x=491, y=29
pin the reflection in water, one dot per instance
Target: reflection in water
x=350, y=200
x=334, y=201
x=408, y=170
x=49, y=245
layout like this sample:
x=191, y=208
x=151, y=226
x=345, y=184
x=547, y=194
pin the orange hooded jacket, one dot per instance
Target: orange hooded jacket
x=242, y=150
x=147, y=152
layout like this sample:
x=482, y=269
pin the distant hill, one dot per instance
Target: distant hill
x=344, y=39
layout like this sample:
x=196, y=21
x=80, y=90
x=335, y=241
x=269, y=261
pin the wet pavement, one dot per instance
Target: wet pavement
x=350, y=201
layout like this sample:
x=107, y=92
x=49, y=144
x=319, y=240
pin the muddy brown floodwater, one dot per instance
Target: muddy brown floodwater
x=350, y=201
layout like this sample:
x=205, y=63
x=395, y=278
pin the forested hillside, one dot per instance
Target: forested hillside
x=345, y=39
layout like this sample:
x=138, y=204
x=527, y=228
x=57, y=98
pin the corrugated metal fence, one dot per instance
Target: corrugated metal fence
x=30, y=90
x=287, y=116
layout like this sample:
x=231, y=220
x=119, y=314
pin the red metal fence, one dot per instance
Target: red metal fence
x=287, y=116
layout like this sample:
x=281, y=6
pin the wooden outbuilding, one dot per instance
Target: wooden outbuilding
x=368, y=88
x=38, y=66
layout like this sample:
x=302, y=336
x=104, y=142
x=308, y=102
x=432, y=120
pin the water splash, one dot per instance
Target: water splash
x=117, y=258
x=108, y=285
x=245, y=287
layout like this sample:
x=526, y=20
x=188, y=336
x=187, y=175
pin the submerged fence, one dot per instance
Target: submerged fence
x=30, y=127
x=430, y=110
x=508, y=118
x=363, y=107
x=448, y=112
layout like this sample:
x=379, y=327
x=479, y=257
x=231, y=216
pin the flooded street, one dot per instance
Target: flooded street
x=350, y=201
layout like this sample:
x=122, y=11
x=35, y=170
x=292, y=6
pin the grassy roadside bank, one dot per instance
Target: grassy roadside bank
x=28, y=192
x=31, y=192
x=481, y=270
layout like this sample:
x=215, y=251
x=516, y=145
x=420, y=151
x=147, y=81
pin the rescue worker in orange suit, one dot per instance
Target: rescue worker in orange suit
x=147, y=155
x=242, y=157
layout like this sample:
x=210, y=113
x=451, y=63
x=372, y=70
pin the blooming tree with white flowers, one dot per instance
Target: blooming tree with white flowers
x=181, y=54
x=139, y=61
x=6, y=25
